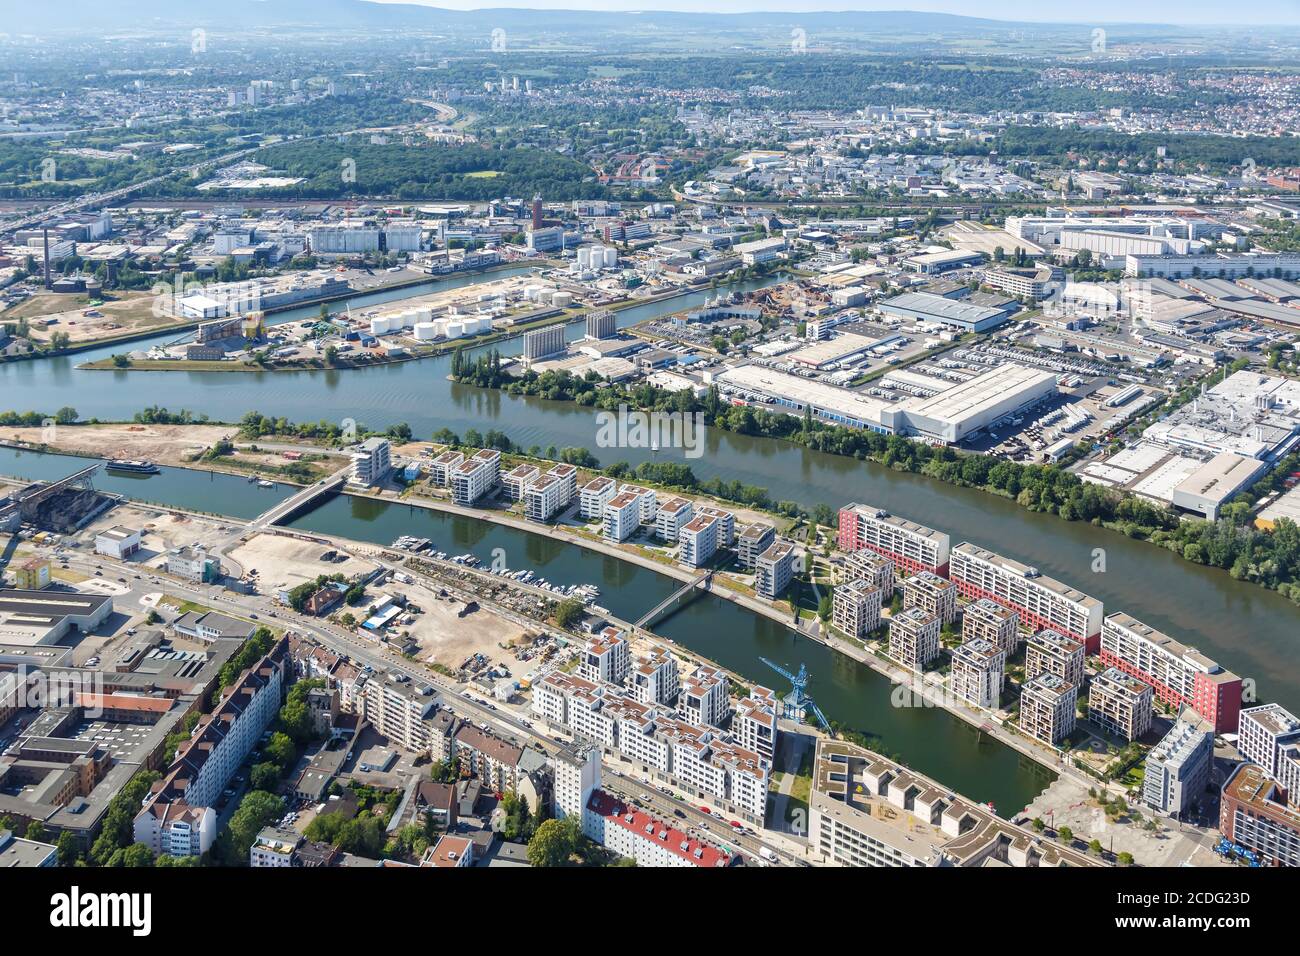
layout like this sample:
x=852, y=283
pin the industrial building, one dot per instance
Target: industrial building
x=928, y=307
x=39, y=618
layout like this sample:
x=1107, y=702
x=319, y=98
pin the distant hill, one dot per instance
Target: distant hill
x=131, y=16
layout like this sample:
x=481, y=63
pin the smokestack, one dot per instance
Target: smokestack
x=45, y=235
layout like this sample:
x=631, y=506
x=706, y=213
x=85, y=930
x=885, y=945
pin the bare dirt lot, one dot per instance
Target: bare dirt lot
x=286, y=561
x=58, y=312
x=165, y=444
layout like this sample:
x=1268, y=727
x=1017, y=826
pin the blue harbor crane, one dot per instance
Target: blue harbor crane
x=797, y=703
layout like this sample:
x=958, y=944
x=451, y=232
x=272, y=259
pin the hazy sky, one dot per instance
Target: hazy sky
x=1113, y=11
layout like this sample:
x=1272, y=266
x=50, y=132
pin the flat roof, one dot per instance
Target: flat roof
x=980, y=394
x=944, y=310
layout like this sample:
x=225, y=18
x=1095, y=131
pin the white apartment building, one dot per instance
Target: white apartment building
x=595, y=495
x=855, y=608
x=704, y=697
x=517, y=479
x=672, y=517
x=1039, y=601
x=773, y=570
x=1177, y=769
x=567, y=477
x=977, y=670
x=914, y=638
x=989, y=620
x=175, y=828
x=655, y=678
x=754, y=725
x=1264, y=733
x=622, y=516
x=400, y=713
x=726, y=524
x=442, y=466
x=475, y=476
x=607, y=657
x=647, y=503
x=932, y=594
x=911, y=546
x=699, y=541
x=545, y=498
x=371, y=462
x=751, y=541
x=1047, y=708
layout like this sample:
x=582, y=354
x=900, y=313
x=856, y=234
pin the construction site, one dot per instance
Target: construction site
x=61, y=506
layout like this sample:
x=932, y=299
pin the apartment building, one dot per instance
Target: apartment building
x=988, y=620
x=516, y=481
x=1039, y=601
x=673, y=516
x=1267, y=735
x=655, y=678
x=607, y=657
x=855, y=608
x=751, y=541
x=977, y=671
x=1050, y=652
x=400, y=713
x=631, y=832
x=911, y=547
x=1047, y=708
x=371, y=462
x=594, y=495
x=1120, y=703
x=544, y=498
x=699, y=541
x=622, y=517
x=932, y=594
x=567, y=477
x=726, y=524
x=647, y=502
x=754, y=725
x=704, y=697
x=867, y=811
x=1253, y=814
x=204, y=763
x=442, y=466
x=475, y=476
x=914, y=638
x=1180, y=676
x=773, y=570
x=875, y=569
x=497, y=763
x=1177, y=769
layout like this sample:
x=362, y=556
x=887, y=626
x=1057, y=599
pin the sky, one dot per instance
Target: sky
x=1095, y=11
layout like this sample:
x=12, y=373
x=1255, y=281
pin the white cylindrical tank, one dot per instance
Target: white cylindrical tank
x=455, y=330
x=610, y=257
x=425, y=331
x=583, y=258
x=562, y=300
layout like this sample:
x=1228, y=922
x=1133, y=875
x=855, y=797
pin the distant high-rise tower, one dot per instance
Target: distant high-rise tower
x=537, y=211
x=45, y=235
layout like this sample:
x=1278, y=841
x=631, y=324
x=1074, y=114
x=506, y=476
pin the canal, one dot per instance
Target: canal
x=1249, y=629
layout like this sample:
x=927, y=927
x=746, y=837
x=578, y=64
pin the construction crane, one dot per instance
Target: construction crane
x=797, y=703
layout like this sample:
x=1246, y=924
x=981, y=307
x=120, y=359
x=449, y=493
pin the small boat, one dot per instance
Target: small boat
x=139, y=467
x=263, y=483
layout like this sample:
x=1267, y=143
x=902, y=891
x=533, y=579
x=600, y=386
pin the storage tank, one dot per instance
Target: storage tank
x=425, y=331
x=379, y=325
x=562, y=300
x=583, y=258
x=455, y=330
x=610, y=257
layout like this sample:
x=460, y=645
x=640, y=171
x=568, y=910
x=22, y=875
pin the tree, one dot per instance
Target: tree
x=264, y=776
x=256, y=810
x=36, y=832
x=1094, y=847
x=65, y=415
x=69, y=849
x=1124, y=858
x=1038, y=825
x=1066, y=835
x=137, y=855
x=568, y=612
x=122, y=360
x=554, y=843
x=280, y=749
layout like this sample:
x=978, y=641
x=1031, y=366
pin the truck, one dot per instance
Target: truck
x=767, y=854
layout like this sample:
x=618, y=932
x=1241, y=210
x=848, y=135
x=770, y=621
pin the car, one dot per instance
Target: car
x=704, y=809
x=99, y=574
x=645, y=796
x=678, y=813
x=737, y=825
